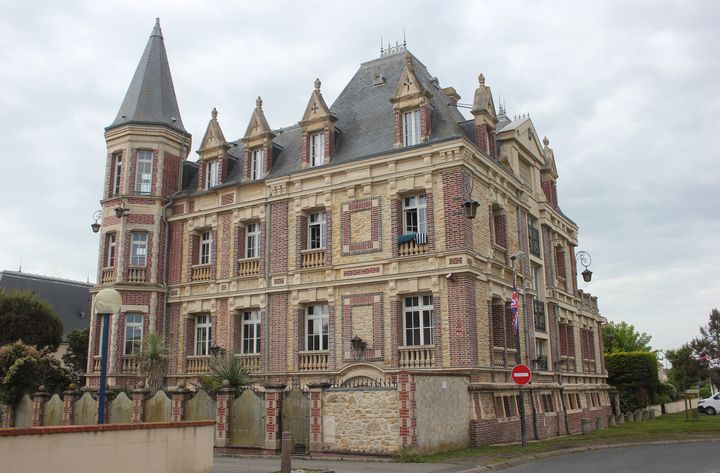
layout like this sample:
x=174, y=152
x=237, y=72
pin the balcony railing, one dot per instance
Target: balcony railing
x=107, y=276
x=411, y=247
x=313, y=258
x=198, y=363
x=130, y=364
x=541, y=363
x=136, y=274
x=313, y=360
x=569, y=363
x=417, y=357
x=539, y=315
x=201, y=272
x=97, y=361
x=251, y=361
x=248, y=267
x=534, y=237
x=588, y=366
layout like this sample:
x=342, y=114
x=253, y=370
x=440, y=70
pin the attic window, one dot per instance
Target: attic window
x=378, y=79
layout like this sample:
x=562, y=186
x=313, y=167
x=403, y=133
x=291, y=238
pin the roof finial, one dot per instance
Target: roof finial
x=156, y=29
x=481, y=79
x=546, y=142
x=404, y=40
x=317, y=84
x=214, y=113
x=382, y=50
x=258, y=103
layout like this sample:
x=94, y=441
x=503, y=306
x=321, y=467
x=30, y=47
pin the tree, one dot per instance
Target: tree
x=76, y=356
x=686, y=369
x=707, y=346
x=23, y=369
x=622, y=337
x=635, y=374
x=153, y=359
x=24, y=316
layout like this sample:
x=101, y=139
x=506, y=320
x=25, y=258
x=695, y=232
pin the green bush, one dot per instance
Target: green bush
x=635, y=375
x=24, y=316
x=23, y=369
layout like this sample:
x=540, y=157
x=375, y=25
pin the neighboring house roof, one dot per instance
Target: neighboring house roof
x=69, y=299
x=150, y=99
x=365, y=121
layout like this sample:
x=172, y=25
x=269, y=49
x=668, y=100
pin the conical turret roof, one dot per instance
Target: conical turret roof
x=150, y=99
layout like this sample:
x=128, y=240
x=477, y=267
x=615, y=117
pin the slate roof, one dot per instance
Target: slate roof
x=70, y=299
x=365, y=121
x=150, y=99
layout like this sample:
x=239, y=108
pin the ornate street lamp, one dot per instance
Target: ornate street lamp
x=121, y=211
x=584, y=258
x=96, y=224
x=216, y=350
x=470, y=208
x=358, y=346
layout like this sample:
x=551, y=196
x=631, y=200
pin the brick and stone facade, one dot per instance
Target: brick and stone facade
x=393, y=263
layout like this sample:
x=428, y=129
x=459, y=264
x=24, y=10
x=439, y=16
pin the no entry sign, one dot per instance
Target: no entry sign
x=521, y=374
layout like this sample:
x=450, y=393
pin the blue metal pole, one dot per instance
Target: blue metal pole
x=105, y=321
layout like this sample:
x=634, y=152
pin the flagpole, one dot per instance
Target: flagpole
x=518, y=356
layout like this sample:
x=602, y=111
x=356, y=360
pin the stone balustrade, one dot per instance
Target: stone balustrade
x=97, y=361
x=130, y=364
x=417, y=357
x=410, y=248
x=201, y=272
x=252, y=361
x=198, y=364
x=248, y=267
x=136, y=274
x=313, y=360
x=313, y=258
x=107, y=276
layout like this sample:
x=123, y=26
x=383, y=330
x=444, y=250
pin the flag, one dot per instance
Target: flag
x=514, y=308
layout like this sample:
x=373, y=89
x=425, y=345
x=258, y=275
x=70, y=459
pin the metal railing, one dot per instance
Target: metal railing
x=539, y=315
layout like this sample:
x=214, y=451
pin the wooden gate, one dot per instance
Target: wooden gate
x=247, y=424
x=296, y=419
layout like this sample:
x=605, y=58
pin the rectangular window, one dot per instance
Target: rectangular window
x=117, y=174
x=110, y=248
x=252, y=240
x=415, y=214
x=548, y=403
x=257, y=164
x=418, y=322
x=506, y=406
x=539, y=315
x=411, y=128
x=203, y=335
x=205, y=247
x=317, y=231
x=499, y=227
x=317, y=149
x=251, y=332
x=534, y=237
x=560, y=262
x=133, y=333
x=143, y=174
x=138, y=249
x=212, y=174
x=317, y=320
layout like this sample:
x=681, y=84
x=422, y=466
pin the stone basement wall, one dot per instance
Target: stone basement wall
x=361, y=421
x=442, y=413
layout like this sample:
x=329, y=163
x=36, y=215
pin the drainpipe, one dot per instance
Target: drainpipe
x=266, y=256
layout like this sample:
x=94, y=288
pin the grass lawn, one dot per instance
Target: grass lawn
x=667, y=427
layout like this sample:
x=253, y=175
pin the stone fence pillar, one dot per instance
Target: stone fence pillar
x=180, y=396
x=6, y=416
x=273, y=416
x=316, y=416
x=69, y=397
x=139, y=395
x=39, y=400
x=225, y=397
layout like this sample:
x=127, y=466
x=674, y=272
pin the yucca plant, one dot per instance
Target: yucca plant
x=153, y=359
x=226, y=366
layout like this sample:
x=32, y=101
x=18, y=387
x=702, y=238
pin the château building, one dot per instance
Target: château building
x=337, y=249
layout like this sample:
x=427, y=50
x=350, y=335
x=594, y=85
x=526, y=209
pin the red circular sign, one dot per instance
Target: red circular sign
x=521, y=374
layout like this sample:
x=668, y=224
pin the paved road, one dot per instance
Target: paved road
x=266, y=465
x=701, y=457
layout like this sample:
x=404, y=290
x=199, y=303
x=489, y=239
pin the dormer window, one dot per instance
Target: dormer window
x=317, y=149
x=411, y=127
x=212, y=174
x=257, y=163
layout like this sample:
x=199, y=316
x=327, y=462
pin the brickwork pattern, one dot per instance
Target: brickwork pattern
x=365, y=235
x=278, y=320
x=279, y=243
x=462, y=322
x=458, y=228
x=371, y=327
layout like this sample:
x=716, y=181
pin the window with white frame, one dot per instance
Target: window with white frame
x=117, y=173
x=205, y=247
x=415, y=214
x=317, y=320
x=251, y=332
x=138, y=249
x=252, y=240
x=133, y=333
x=418, y=320
x=203, y=335
x=257, y=163
x=411, y=127
x=212, y=174
x=110, y=249
x=143, y=172
x=317, y=149
x=317, y=230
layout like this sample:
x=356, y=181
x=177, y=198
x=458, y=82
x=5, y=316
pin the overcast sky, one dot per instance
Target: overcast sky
x=627, y=92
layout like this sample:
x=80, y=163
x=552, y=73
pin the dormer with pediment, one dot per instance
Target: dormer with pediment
x=549, y=175
x=318, y=131
x=411, y=106
x=258, y=141
x=485, y=119
x=213, y=162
